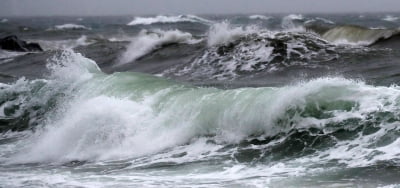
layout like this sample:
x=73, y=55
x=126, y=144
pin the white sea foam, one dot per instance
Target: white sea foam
x=168, y=19
x=147, y=41
x=4, y=20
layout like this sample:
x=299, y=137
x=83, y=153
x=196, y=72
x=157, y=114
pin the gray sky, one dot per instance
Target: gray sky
x=138, y=7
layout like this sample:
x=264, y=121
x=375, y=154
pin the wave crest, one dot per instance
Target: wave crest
x=147, y=41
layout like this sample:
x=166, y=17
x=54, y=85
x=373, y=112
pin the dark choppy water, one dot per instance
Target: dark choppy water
x=202, y=101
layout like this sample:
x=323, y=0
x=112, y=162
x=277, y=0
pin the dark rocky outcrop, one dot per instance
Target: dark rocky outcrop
x=13, y=43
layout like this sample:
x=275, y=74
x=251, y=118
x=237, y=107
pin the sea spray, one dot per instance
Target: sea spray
x=223, y=33
x=147, y=41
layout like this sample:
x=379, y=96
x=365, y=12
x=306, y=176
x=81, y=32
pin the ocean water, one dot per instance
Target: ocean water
x=274, y=100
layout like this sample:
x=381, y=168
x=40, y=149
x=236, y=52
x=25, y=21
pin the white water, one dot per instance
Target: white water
x=147, y=41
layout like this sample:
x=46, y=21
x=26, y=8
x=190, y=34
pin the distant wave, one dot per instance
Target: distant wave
x=4, y=20
x=357, y=35
x=147, y=41
x=70, y=26
x=167, y=19
x=63, y=44
x=6, y=56
x=233, y=51
x=120, y=38
x=259, y=17
x=323, y=20
x=295, y=17
x=390, y=18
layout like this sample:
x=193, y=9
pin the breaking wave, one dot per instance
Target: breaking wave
x=147, y=41
x=91, y=116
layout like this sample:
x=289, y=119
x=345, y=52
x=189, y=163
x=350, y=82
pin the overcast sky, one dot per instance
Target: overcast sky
x=139, y=7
